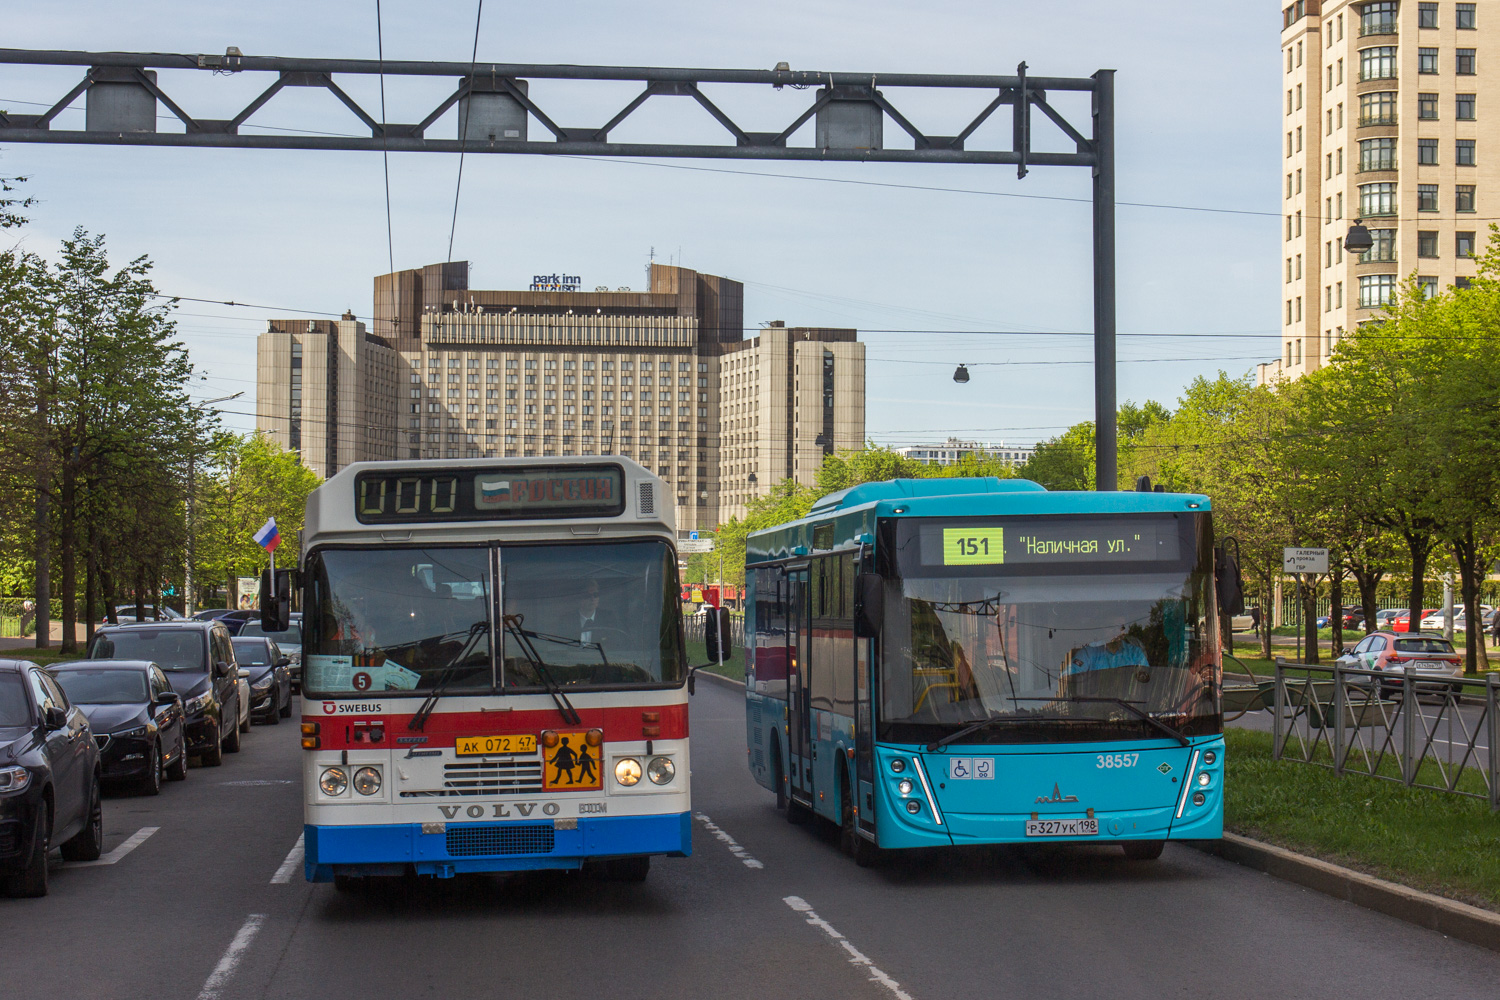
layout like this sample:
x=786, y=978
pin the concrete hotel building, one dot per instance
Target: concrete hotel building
x=790, y=397
x=1385, y=120
x=327, y=389
x=949, y=452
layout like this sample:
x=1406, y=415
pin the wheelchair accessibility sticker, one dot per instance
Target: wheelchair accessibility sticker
x=971, y=769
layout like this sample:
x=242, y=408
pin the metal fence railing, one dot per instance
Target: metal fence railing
x=1419, y=730
x=696, y=625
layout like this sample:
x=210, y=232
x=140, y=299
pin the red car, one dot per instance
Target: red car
x=1433, y=658
x=1402, y=622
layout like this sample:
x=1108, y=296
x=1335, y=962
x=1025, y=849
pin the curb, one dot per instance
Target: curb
x=721, y=679
x=1446, y=916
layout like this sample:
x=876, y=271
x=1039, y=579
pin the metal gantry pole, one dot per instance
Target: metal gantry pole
x=1106, y=468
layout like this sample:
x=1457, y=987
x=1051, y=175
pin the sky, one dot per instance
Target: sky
x=936, y=264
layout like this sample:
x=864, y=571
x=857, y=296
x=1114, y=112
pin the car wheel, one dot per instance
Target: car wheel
x=273, y=717
x=151, y=780
x=177, y=770
x=232, y=741
x=245, y=725
x=88, y=843
x=286, y=709
x=31, y=881
x=1143, y=850
x=214, y=755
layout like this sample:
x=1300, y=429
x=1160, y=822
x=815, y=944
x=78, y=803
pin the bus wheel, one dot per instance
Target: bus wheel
x=861, y=850
x=1143, y=850
x=779, y=778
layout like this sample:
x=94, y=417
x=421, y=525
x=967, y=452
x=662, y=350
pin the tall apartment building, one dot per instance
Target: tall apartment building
x=790, y=396
x=950, y=451
x=1385, y=121
x=327, y=390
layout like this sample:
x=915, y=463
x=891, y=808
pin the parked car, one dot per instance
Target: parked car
x=1242, y=623
x=235, y=620
x=268, y=671
x=289, y=641
x=1434, y=622
x=198, y=659
x=135, y=716
x=1436, y=664
x=209, y=614
x=1402, y=622
x=47, y=755
x=126, y=613
x=1385, y=616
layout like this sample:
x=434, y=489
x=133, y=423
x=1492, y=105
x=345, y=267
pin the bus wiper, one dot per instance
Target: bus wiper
x=445, y=677
x=563, y=640
x=523, y=639
x=1136, y=711
x=970, y=729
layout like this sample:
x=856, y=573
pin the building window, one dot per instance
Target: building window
x=1377, y=199
x=1299, y=138
x=1376, y=290
x=1377, y=154
x=1463, y=62
x=1463, y=198
x=1464, y=155
x=1427, y=197
x=1465, y=17
x=1379, y=108
x=1427, y=107
x=1460, y=282
x=1383, y=247
x=1463, y=107
x=1378, y=63
x=1428, y=284
x=1427, y=152
x=1427, y=60
x=1378, y=18
x=1427, y=241
x=1464, y=244
x=1427, y=15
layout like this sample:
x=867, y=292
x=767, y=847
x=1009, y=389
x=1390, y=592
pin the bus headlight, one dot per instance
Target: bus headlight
x=661, y=770
x=367, y=781
x=627, y=771
x=1209, y=757
x=1204, y=779
x=898, y=765
x=905, y=786
x=334, y=781
x=1199, y=798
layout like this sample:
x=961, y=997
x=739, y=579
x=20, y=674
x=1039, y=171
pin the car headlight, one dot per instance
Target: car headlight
x=661, y=770
x=137, y=732
x=367, y=781
x=334, y=781
x=264, y=684
x=199, y=702
x=627, y=771
x=13, y=779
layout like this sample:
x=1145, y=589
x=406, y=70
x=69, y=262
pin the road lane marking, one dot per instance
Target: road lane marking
x=131, y=843
x=232, y=957
x=856, y=957
x=291, y=864
x=728, y=841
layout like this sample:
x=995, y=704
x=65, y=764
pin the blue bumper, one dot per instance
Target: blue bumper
x=394, y=848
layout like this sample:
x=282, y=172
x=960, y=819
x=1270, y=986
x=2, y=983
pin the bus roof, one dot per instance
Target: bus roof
x=847, y=518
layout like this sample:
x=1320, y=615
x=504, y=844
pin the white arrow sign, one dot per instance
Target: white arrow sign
x=696, y=545
x=1295, y=560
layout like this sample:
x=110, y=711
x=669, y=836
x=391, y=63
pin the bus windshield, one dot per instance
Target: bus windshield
x=409, y=620
x=1048, y=633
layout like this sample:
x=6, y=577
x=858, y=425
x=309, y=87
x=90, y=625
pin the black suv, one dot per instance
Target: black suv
x=199, y=662
x=49, y=779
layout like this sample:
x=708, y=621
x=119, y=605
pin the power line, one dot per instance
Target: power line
x=463, y=127
x=385, y=153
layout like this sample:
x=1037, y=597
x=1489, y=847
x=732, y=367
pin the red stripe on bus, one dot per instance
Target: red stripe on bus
x=339, y=732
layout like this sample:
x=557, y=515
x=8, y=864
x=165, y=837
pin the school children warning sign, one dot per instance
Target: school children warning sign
x=572, y=765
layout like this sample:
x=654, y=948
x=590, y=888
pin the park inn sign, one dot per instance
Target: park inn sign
x=1296, y=560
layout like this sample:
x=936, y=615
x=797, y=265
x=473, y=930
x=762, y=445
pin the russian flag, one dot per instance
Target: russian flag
x=268, y=537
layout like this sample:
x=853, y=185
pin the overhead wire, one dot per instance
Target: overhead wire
x=385, y=153
x=463, y=130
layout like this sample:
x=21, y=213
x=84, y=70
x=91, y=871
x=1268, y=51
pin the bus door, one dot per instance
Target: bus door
x=864, y=736
x=799, y=643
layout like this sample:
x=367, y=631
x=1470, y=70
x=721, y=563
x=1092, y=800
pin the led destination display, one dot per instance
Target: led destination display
x=426, y=495
x=1084, y=540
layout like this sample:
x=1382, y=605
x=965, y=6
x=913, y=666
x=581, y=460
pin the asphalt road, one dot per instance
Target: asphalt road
x=762, y=909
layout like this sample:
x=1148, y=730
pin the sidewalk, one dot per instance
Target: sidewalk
x=29, y=641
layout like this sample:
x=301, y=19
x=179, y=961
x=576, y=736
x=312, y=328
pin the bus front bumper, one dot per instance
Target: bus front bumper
x=447, y=849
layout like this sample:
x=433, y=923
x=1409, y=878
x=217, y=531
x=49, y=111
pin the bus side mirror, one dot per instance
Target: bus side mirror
x=1227, y=579
x=716, y=637
x=869, y=605
x=275, y=600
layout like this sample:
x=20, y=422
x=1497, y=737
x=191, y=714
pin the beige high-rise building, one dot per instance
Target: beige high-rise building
x=1387, y=121
x=326, y=389
x=790, y=397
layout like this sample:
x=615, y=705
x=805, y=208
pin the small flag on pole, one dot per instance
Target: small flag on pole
x=268, y=537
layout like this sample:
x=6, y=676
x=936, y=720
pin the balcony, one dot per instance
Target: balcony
x=1378, y=118
x=1379, y=26
x=1381, y=75
x=1375, y=165
x=1378, y=255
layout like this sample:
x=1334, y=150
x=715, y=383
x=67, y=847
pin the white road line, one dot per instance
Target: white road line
x=131, y=843
x=290, y=865
x=856, y=957
x=728, y=841
x=232, y=957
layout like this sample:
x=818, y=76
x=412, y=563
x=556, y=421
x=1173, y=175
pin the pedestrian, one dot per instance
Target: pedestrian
x=1495, y=626
x=28, y=615
x=1255, y=621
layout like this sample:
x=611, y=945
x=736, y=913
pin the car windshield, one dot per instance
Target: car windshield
x=256, y=653
x=1424, y=646
x=291, y=636
x=1051, y=629
x=171, y=649
x=15, y=710
x=104, y=687
x=412, y=619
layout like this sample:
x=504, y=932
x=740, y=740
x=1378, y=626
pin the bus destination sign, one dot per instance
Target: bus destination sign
x=1051, y=541
x=496, y=493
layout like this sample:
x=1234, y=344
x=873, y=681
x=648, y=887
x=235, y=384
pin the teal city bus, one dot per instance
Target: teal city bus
x=936, y=662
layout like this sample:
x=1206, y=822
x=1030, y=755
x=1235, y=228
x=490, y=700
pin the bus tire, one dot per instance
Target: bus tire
x=1143, y=850
x=861, y=850
x=778, y=778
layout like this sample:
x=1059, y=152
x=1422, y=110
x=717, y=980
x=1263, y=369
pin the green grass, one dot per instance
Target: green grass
x=1433, y=841
x=42, y=656
x=733, y=667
